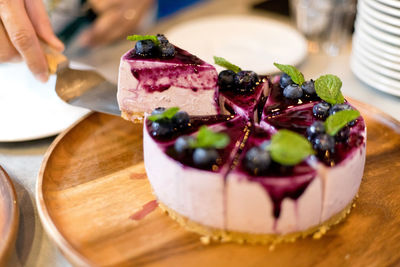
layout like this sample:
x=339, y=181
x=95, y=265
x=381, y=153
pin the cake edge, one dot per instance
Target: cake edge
x=209, y=234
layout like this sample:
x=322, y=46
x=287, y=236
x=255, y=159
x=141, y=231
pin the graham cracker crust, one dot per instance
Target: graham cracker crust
x=135, y=117
x=209, y=234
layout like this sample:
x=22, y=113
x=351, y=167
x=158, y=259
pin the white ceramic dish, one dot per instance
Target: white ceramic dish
x=390, y=29
x=378, y=34
x=377, y=44
x=29, y=109
x=373, y=79
x=375, y=66
x=370, y=48
x=366, y=52
x=393, y=11
x=393, y=3
x=363, y=7
x=253, y=43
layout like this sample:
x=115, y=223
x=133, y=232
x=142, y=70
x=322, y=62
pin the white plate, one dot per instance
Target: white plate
x=367, y=61
x=384, y=8
x=362, y=7
x=253, y=43
x=373, y=79
x=29, y=109
x=382, y=55
x=373, y=42
x=361, y=50
x=393, y=3
x=377, y=34
x=379, y=24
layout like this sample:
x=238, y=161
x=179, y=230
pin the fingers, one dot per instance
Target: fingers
x=118, y=19
x=7, y=51
x=103, y=30
x=40, y=21
x=23, y=37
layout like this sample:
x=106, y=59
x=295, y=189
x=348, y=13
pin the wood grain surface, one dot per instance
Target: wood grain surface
x=9, y=215
x=96, y=204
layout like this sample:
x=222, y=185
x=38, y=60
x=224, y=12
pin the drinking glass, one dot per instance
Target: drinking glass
x=326, y=24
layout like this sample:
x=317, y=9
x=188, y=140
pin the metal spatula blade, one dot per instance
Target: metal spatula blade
x=87, y=89
x=82, y=88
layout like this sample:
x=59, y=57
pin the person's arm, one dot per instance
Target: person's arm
x=22, y=25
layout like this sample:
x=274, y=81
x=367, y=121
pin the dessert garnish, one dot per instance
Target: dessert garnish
x=234, y=78
x=328, y=87
x=324, y=135
x=286, y=148
x=152, y=46
x=203, y=147
x=166, y=122
x=293, y=83
x=289, y=148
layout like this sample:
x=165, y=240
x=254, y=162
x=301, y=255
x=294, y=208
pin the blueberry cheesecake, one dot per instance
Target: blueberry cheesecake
x=156, y=73
x=260, y=162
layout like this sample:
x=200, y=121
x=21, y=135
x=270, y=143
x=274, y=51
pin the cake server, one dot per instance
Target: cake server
x=82, y=88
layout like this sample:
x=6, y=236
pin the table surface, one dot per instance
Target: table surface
x=22, y=160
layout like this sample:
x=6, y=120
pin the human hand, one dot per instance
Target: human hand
x=116, y=19
x=22, y=24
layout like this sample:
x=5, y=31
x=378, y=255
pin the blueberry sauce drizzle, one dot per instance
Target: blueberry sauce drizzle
x=183, y=70
x=277, y=103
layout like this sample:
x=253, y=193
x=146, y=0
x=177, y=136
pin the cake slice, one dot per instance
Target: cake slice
x=189, y=182
x=149, y=79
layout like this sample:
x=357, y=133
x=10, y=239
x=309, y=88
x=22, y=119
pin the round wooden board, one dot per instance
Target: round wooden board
x=92, y=191
x=9, y=215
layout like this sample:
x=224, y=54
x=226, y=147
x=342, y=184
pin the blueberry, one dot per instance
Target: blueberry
x=324, y=142
x=159, y=110
x=265, y=144
x=285, y=80
x=343, y=134
x=145, y=48
x=292, y=91
x=257, y=160
x=315, y=129
x=308, y=87
x=182, y=144
x=339, y=107
x=246, y=80
x=162, y=39
x=321, y=110
x=226, y=79
x=180, y=120
x=167, y=50
x=162, y=129
x=205, y=157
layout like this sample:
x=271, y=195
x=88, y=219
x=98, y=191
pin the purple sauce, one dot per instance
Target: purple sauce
x=183, y=70
x=277, y=103
x=233, y=128
x=244, y=103
x=280, y=181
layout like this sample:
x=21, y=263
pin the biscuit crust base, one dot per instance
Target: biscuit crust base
x=209, y=234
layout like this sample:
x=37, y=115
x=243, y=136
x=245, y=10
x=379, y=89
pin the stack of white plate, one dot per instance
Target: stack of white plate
x=376, y=44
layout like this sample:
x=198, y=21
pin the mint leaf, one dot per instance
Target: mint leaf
x=293, y=72
x=207, y=138
x=289, y=148
x=137, y=37
x=337, y=121
x=168, y=114
x=226, y=64
x=328, y=89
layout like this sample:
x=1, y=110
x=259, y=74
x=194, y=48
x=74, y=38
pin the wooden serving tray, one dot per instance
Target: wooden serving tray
x=93, y=198
x=9, y=215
